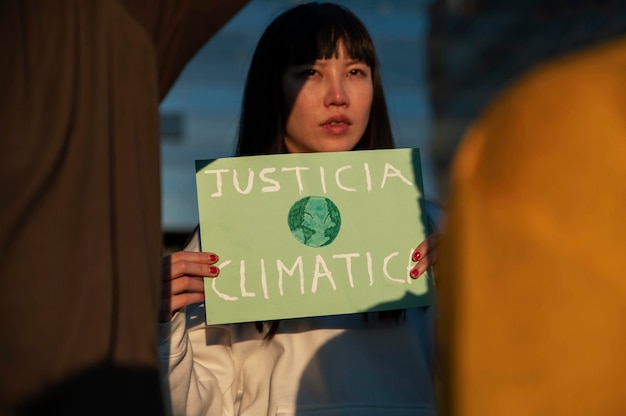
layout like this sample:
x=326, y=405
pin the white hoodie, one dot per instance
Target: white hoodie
x=332, y=365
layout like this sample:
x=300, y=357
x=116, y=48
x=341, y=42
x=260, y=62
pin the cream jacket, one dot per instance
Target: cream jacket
x=333, y=365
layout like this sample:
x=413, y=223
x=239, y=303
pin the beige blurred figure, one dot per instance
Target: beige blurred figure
x=531, y=274
x=80, y=216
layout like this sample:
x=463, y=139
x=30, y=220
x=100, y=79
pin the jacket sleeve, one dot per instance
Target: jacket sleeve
x=196, y=362
x=197, y=365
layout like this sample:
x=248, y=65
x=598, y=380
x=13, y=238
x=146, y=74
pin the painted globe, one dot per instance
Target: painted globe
x=314, y=221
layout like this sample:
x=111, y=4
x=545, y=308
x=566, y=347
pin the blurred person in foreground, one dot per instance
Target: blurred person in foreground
x=80, y=235
x=532, y=300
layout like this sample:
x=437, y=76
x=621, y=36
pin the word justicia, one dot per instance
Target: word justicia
x=271, y=179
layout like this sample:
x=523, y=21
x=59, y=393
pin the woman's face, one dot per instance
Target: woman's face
x=330, y=103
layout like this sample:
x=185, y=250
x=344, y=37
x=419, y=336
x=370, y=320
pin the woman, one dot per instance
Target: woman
x=313, y=86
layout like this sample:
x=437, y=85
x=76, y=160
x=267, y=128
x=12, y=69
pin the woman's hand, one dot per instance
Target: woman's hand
x=425, y=255
x=183, y=283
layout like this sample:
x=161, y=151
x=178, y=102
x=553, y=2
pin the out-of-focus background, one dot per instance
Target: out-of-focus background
x=441, y=63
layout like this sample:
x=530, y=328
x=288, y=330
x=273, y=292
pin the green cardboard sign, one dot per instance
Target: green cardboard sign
x=312, y=233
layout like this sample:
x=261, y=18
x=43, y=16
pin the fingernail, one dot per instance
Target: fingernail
x=214, y=270
x=415, y=273
x=213, y=258
x=416, y=256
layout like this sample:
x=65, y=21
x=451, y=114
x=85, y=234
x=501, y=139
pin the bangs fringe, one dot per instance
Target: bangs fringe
x=315, y=39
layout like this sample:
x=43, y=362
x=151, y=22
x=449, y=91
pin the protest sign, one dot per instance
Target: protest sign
x=312, y=233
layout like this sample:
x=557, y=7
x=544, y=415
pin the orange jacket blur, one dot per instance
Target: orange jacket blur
x=531, y=275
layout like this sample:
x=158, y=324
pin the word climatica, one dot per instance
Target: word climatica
x=313, y=273
x=270, y=178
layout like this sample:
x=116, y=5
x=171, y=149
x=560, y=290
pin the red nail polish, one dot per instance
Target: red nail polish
x=415, y=273
x=214, y=270
x=213, y=258
x=416, y=256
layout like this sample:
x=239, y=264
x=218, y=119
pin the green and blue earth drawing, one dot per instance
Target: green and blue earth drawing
x=314, y=221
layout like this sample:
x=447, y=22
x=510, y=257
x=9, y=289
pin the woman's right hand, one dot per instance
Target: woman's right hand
x=183, y=280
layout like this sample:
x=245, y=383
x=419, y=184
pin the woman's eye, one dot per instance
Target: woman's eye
x=309, y=72
x=357, y=72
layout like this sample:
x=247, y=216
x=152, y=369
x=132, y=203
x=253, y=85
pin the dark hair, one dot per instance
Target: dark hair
x=301, y=35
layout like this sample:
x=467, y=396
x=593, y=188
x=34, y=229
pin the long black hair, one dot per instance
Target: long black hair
x=301, y=35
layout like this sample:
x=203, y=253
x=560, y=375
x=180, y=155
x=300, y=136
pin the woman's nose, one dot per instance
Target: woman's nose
x=336, y=93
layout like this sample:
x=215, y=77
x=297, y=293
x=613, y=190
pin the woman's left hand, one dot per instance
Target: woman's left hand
x=425, y=255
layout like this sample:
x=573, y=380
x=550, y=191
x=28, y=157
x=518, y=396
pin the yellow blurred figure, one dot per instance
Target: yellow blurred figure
x=531, y=274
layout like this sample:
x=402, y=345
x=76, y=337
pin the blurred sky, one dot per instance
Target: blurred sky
x=203, y=106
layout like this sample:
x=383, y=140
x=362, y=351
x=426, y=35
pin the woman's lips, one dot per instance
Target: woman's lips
x=337, y=124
